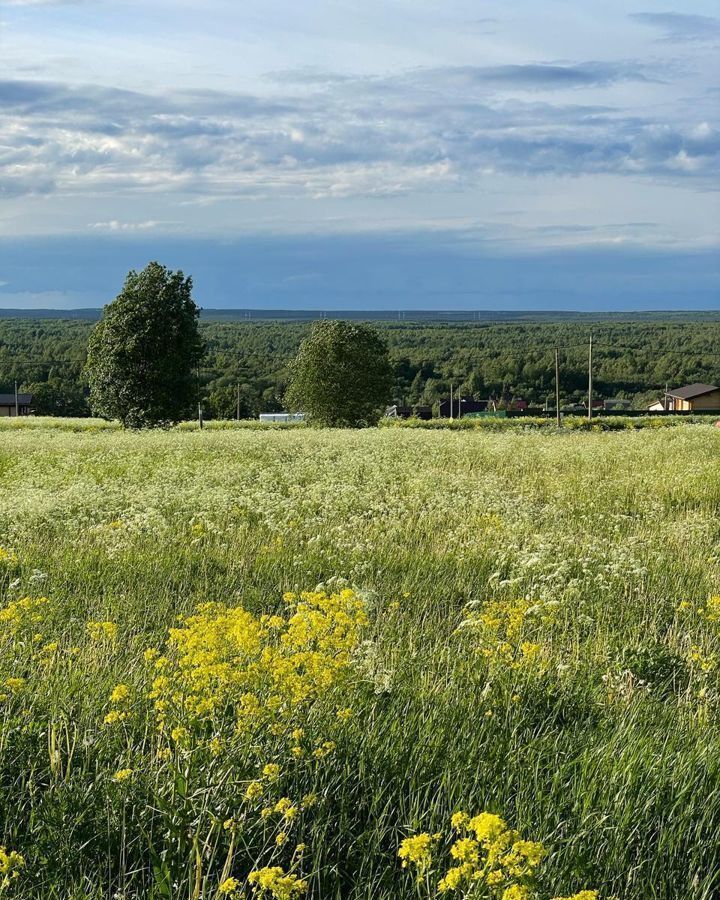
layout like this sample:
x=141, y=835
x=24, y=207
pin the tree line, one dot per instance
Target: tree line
x=246, y=365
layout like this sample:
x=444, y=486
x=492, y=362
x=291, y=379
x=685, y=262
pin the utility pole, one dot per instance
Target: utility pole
x=17, y=410
x=200, y=414
x=237, y=403
x=451, y=401
x=590, y=386
x=557, y=387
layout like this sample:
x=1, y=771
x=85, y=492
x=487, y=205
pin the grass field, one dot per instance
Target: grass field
x=519, y=623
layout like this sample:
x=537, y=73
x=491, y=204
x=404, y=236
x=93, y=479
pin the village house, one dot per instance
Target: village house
x=689, y=398
x=8, y=406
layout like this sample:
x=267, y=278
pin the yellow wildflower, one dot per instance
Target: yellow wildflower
x=273, y=881
x=285, y=807
x=122, y=775
x=454, y=878
x=120, y=693
x=253, y=791
x=102, y=631
x=11, y=863
x=229, y=886
x=115, y=716
x=324, y=750
x=466, y=850
x=487, y=827
x=417, y=851
x=7, y=557
x=517, y=892
x=179, y=734
x=459, y=820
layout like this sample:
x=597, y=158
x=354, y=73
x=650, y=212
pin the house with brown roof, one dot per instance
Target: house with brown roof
x=693, y=397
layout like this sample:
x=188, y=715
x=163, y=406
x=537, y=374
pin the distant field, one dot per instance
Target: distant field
x=519, y=623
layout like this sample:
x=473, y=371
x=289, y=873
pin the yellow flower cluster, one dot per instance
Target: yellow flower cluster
x=122, y=775
x=120, y=698
x=102, y=631
x=504, y=626
x=120, y=693
x=7, y=557
x=710, y=612
x=490, y=853
x=273, y=882
x=11, y=863
x=21, y=615
x=417, y=852
x=703, y=662
x=487, y=856
x=260, y=670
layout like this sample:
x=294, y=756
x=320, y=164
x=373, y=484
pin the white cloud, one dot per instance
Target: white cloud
x=422, y=131
x=115, y=225
x=40, y=2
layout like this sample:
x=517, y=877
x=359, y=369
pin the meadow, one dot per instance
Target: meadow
x=392, y=663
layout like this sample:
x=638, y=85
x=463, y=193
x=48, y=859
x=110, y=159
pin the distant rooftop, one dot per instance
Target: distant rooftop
x=9, y=399
x=692, y=390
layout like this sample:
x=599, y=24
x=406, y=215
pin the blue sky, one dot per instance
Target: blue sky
x=362, y=153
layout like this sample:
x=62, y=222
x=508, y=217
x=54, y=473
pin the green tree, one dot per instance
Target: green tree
x=143, y=352
x=342, y=375
x=58, y=398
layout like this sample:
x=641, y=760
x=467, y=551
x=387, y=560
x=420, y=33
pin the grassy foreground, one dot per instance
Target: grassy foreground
x=518, y=623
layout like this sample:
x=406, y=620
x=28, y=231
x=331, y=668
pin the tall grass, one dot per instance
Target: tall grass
x=602, y=743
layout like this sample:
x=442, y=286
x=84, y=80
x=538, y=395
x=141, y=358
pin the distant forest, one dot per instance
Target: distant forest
x=634, y=358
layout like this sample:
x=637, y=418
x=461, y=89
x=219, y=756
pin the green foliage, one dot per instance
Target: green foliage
x=634, y=356
x=58, y=397
x=341, y=376
x=143, y=353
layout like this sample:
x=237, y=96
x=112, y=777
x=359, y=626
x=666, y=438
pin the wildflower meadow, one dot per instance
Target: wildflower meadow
x=391, y=663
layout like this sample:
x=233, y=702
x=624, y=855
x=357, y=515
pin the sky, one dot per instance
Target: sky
x=365, y=154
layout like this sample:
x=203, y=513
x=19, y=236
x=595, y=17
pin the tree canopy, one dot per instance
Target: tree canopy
x=142, y=355
x=634, y=356
x=342, y=375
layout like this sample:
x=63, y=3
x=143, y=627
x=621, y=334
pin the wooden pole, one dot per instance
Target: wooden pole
x=590, y=384
x=237, y=403
x=557, y=387
x=451, y=400
x=17, y=408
